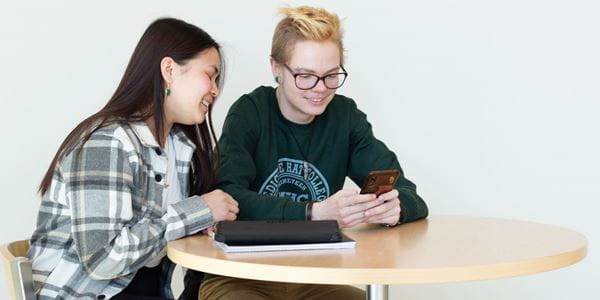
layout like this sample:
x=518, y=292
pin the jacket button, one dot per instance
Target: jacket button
x=158, y=151
x=100, y=297
x=158, y=177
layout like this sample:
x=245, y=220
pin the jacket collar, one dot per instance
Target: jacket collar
x=144, y=134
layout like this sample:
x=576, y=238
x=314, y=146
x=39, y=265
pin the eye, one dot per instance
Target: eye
x=305, y=76
x=212, y=72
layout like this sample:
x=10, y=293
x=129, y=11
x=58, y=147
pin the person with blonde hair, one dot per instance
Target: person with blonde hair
x=286, y=151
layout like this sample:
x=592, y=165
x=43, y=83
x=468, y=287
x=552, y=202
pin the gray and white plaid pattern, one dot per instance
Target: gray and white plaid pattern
x=102, y=218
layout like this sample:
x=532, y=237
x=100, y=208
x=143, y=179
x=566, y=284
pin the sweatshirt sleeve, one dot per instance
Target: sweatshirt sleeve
x=241, y=132
x=368, y=153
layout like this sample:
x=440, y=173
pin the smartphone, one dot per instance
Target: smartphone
x=380, y=182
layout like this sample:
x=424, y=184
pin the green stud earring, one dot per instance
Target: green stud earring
x=167, y=91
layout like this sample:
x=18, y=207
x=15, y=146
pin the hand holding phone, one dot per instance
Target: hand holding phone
x=380, y=182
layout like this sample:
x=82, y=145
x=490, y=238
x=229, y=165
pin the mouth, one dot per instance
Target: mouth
x=205, y=103
x=314, y=100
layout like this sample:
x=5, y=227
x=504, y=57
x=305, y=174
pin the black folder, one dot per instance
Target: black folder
x=277, y=232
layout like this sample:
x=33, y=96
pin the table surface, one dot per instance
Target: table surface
x=437, y=249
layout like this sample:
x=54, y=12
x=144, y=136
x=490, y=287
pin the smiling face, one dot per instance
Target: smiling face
x=193, y=88
x=318, y=58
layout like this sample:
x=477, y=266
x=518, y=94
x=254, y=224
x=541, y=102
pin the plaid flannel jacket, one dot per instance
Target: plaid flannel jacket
x=102, y=218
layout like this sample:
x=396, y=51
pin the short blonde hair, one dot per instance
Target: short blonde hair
x=304, y=23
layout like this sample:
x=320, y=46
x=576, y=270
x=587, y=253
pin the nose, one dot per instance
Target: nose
x=214, y=91
x=320, y=87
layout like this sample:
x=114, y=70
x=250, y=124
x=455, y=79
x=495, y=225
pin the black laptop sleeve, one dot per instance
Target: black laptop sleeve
x=277, y=232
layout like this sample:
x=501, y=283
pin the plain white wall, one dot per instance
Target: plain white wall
x=491, y=106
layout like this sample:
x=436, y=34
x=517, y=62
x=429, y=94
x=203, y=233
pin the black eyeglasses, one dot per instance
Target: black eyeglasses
x=307, y=81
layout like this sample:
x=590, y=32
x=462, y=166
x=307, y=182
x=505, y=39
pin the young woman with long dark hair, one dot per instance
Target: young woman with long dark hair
x=134, y=175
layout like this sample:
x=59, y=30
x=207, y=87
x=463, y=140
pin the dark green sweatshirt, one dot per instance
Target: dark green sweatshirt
x=263, y=155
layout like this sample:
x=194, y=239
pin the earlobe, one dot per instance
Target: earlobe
x=275, y=69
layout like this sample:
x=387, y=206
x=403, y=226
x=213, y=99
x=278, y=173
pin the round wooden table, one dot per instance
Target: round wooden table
x=434, y=250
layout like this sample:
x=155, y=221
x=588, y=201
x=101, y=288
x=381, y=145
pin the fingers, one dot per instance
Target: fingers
x=331, y=208
x=383, y=208
x=230, y=211
x=230, y=216
x=391, y=195
x=222, y=205
x=233, y=208
x=345, y=192
x=232, y=205
x=354, y=214
x=210, y=231
x=360, y=198
x=355, y=199
x=353, y=219
x=230, y=200
x=348, y=207
x=388, y=213
x=360, y=207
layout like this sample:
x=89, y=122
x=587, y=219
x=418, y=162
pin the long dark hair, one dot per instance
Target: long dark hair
x=140, y=95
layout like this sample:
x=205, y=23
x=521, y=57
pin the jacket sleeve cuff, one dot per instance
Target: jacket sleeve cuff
x=412, y=207
x=187, y=217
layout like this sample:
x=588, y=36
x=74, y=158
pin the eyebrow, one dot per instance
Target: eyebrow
x=302, y=70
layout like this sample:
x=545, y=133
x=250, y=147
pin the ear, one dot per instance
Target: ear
x=167, y=65
x=275, y=67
